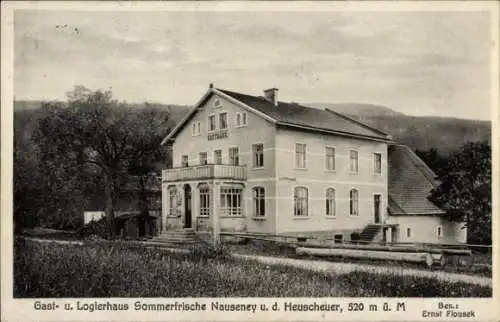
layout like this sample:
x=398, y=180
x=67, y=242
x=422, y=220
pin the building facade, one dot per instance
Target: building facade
x=256, y=164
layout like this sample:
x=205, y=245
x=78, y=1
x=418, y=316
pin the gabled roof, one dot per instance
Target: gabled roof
x=290, y=115
x=299, y=116
x=410, y=183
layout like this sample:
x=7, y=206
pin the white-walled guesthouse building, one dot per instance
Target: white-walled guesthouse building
x=256, y=164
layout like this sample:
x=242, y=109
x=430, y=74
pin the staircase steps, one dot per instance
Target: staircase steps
x=176, y=238
x=369, y=233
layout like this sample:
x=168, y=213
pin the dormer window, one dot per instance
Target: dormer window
x=217, y=103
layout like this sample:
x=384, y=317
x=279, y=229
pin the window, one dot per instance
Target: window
x=184, y=161
x=353, y=161
x=196, y=129
x=218, y=156
x=223, y=121
x=300, y=156
x=241, y=119
x=330, y=158
x=211, y=123
x=353, y=202
x=217, y=103
x=439, y=231
x=330, y=202
x=338, y=239
x=377, y=160
x=230, y=201
x=259, y=203
x=258, y=155
x=408, y=232
x=300, y=198
x=172, y=200
x=203, y=158
x=204, y=200
x=234, y=158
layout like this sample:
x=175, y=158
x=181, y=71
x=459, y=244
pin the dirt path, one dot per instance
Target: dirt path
x=322, y=266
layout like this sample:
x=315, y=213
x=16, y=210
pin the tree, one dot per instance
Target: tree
x=465, y=190
x=433, y=159
x=92, y=133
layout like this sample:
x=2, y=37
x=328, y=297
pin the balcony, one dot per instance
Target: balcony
x=203, y=172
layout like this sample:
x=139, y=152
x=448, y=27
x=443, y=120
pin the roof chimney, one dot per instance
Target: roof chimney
x=211, y=85
x=271, y=95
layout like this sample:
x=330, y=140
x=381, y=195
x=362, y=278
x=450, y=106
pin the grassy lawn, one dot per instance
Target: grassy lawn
x=117, y=270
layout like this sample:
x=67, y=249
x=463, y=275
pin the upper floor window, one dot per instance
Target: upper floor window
x=377, y=162
x=241, y=119
x=354, y=202
x=203, y=158
x=259, y=201
x=329, y=158
x=211, y=123
x=223, y=121
x=184, y=161
x=300, y=155
x=218, y=156
x=258, y=155
x=234, y=158
x=196, y=128
x=439, y=231
x=353, y=161
x=330, y=202
x=300, y=201
x=408, y=232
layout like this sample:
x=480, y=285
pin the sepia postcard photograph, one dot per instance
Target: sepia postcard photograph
x=250, y=161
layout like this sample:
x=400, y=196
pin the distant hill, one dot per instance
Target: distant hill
x=358, y=109
x=443, y=133
x=419, y=132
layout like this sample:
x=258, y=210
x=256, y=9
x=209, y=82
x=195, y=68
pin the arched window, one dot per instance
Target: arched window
x=330, y=202
x=353, y=202
x=300, y=201
x=259, y=203
x=172, y=200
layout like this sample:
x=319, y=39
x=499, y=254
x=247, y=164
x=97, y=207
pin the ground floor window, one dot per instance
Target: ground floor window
x=230, y=201
x=330, y=202
x=353, y=202
x=172, y=200
x=204, y=200
x=259, y=202
x=300, y=201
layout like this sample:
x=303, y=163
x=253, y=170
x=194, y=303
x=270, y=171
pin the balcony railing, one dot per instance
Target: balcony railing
x=208, y=171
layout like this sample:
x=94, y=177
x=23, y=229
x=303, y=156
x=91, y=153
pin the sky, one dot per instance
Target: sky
x=418, y=63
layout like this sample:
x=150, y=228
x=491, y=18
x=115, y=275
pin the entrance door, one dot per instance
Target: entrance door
x=187, y=206
x=376, y=208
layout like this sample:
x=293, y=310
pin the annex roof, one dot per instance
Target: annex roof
x=410, y=183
